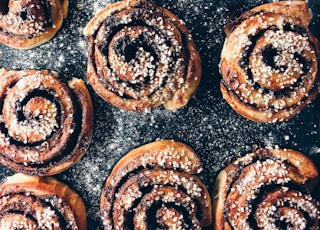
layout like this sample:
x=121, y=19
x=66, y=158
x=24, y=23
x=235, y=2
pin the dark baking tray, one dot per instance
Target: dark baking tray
x=207, y=123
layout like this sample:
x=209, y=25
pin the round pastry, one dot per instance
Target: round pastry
x=25, y=24
x=32, y=202
x=45, y=123
x=141, y=56
x=270, y=62
x=267, y=189
x=154, y=187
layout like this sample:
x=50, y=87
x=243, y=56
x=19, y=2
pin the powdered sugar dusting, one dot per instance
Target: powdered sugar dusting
x=207, y=123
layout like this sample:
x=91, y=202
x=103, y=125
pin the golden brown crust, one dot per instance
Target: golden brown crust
x=49, y=198
x=270, y=62
x=156, y=182
x=150, y=62
x=47, y=123
x=255, y=191
x=27, y=24
x=64, y=6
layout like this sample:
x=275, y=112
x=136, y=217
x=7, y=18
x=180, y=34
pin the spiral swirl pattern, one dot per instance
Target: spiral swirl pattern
x=267, y=189
x=270, y=62
x=36, y=203
x=141, y=56
x=25, y=24
x=153, y=186
x=46, y=124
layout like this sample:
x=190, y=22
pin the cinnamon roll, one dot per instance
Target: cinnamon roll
x=45, y=123
x=270, y=62
x=25, y=24
x=141, y=56
x=155, y=187
x=267, y=189
x=32, y=202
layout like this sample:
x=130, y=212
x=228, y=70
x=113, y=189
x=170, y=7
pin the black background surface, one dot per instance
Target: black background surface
x=207, y=124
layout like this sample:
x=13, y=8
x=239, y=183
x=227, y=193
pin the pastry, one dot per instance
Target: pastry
x=270, y=62
x=45, y=123
x=141, y=56
x=33, y=202
x=25, y=24
x=267, y=189
x=155, y=187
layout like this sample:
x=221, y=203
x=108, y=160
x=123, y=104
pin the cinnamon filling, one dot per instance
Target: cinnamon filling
x=270, y=56
x=23, y=210
x=27, y=19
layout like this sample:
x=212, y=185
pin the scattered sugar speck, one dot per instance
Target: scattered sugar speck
x=207, y=124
